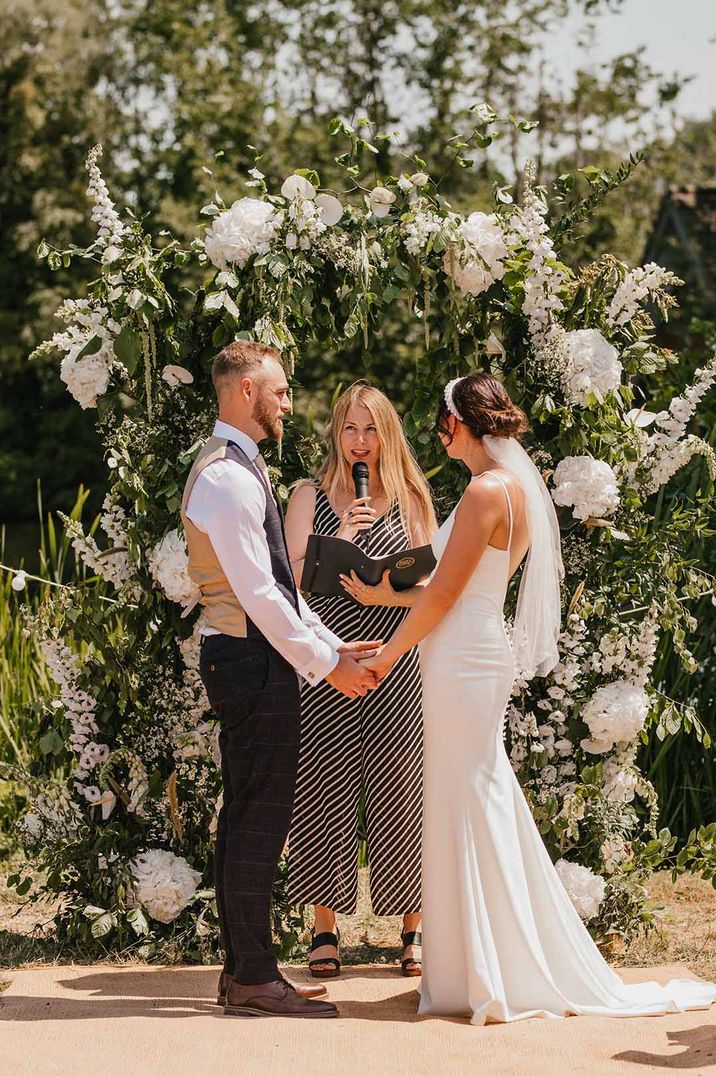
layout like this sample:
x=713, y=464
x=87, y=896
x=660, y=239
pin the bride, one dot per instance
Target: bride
x=502, y=939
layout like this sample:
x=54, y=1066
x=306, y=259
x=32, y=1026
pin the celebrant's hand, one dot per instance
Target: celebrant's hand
x=361, y=649
x=381, y=594
x=358, y=516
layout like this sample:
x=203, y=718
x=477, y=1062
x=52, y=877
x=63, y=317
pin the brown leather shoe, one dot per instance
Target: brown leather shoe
x=302, y=991
x=278, y=998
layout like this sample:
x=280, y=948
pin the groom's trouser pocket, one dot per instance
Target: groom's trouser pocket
x=234, y=672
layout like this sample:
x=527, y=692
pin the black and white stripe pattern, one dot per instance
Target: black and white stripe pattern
x=373, y=743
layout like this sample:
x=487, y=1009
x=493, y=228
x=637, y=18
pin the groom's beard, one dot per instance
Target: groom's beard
x=270, y=424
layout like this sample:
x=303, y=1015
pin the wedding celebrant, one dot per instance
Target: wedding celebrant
x=259, y=638
x=373, y=743
x=503, y=940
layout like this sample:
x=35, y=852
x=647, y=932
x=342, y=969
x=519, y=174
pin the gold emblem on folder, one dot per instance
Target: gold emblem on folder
x=406, y=562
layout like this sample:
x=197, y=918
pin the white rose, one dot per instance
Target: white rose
x=584, y=888
x=381, y=199
x=169, y=567
x=586, y=485
x=592, y=364
x=419, y=179
x=480, y=262
x=86, y=378
x=614, y=714
x=164, y=884
x=245, y=229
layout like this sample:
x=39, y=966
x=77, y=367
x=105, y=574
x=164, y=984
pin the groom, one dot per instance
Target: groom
x=260, y=638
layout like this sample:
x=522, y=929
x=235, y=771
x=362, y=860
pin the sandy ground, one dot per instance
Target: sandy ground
x=85, y=1021
x=102, y=1020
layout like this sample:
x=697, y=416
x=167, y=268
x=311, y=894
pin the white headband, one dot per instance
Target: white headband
x=449, y=402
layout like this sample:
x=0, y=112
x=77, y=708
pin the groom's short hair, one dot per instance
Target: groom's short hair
x=241, y=358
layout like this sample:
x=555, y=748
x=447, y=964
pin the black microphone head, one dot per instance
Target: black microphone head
x=359, y=471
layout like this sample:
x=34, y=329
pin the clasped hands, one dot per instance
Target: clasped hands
x=360, y=667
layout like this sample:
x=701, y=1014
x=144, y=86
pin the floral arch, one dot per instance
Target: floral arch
x=124, y=793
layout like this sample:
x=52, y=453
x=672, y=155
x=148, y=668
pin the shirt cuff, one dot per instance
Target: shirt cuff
x=321, y=665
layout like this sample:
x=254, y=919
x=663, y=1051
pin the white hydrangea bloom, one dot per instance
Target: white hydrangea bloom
x=164, y=884
x=584, y=888
x=475, y=261
x=169, y=566
x=592, y=365
x=614, y=714
x=587, y=486
x=86, y=376
x=246, y=228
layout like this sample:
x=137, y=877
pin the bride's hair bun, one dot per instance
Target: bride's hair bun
x=486, y=408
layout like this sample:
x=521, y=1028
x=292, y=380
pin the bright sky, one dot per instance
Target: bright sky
x=679, y=35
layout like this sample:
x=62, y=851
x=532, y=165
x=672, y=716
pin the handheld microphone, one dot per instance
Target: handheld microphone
x=360, y=478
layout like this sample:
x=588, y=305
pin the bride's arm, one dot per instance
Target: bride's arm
x=477, y=516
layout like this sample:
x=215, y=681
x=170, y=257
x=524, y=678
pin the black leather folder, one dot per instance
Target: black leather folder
x=328, y=558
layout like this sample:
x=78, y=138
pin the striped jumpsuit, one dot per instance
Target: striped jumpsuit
x=372, y=743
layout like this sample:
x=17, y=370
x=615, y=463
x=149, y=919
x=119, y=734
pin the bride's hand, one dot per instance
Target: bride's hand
x=379, y=665
x=381, y=594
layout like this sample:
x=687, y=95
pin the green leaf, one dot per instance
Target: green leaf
x=91, y=347
x=138, y=922
x=54, y=261
x=102, y=925
x=51, y=743
x=43, y=250
x=135, y=299
x=128, y=348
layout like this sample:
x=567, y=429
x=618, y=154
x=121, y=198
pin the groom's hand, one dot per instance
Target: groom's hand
x=350, y=677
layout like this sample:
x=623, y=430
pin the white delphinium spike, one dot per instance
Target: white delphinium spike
x=110, y=227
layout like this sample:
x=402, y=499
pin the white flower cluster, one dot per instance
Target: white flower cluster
x=86, y=377
x=584, y=888
x=169, y=567
x=630, y=653
x=615, y=851
x=164, y=884
x=308, y=214
x=544, y=282
x=587, y=486
x=51, y=819
x=246, y=228
x=80, y=707
x=475, y=258
x=614, y=714
x=621, y=778
x=111, y=229
x=113, y=563
x=592, y=365
x=418, y=230
x=194, y=738
x=637, y=286
x=666, y=450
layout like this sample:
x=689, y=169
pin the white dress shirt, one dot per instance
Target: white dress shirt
x=228, y=503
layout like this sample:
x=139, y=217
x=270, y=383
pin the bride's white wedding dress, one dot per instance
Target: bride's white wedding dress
x=502, y=940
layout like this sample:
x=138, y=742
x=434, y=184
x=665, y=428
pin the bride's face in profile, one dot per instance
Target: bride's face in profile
x=449, y=434
x=359, y=438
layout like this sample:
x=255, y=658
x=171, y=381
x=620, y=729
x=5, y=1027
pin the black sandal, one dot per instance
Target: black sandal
x=411, y=967
x=317, y=940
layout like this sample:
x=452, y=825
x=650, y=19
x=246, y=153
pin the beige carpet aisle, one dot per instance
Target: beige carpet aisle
x=108, y=1021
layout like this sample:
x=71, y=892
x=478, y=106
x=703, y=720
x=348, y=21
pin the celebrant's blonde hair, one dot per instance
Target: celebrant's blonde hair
x=403, y=481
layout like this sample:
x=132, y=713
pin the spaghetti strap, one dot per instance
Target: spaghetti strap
x=502, y=482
